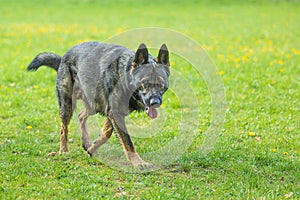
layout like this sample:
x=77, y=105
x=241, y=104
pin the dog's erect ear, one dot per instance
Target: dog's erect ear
x=163, y=55
x=141, y=56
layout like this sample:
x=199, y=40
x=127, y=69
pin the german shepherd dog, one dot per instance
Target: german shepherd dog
x=111, y=80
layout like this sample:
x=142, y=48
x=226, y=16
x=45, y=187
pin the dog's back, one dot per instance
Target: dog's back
x=95, y=68
x=88, y=71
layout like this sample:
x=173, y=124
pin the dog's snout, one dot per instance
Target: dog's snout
x=155, y=102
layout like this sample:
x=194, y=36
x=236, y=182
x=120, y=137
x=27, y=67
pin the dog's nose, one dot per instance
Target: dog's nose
x=155, y=102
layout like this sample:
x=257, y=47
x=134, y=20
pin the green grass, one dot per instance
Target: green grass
x=256, y=46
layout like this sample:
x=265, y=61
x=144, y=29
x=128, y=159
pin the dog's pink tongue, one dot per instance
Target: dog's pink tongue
x=151, y=112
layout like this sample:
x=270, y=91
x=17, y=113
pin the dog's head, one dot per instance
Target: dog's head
x=150, y=77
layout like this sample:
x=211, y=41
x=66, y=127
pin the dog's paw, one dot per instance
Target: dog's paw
x=53, y=153
x=143, y=166
x=91, y=150
x=90, y=153
x=137, y=162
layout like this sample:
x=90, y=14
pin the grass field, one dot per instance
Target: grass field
x=256, y=46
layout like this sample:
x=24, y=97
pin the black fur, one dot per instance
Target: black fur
x=49, y=59
x=111, y=80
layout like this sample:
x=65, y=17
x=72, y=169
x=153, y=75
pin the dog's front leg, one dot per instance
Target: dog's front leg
x=118, y=122
x=103, y=137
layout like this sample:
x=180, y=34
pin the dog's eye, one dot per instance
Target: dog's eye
x=143, y=86
x=160, y=86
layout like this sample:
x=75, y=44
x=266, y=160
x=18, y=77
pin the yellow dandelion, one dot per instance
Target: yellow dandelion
x=163, y=106
x=255, y=59
x=281, y=70
x=28, y=44
x=285, y=153
x=35, y=86
x=29, y=127
x=43, y=29
x=120, y=30
x=221, y=56
x=210, y=48
x=246, y=48
x=221, y=72
x=251, y=134
x=44, y=90
x=245, y=58
x=250, y=52
x=22, y=67
x=273, y=150
x=280, y=62
x=67, y=31
x=236, y=60
x=264, y=49
x=79, y=41
x=26, y=59
x=296, y=51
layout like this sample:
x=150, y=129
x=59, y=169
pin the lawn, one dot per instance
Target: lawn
x=255, y=46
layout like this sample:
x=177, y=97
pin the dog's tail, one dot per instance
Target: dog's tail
x=48, y=59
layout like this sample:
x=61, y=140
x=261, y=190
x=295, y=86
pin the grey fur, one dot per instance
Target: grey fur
x=49, y=59
x=111, y=80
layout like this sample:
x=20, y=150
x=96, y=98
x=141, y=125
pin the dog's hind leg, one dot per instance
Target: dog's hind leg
x=64, y=90
x=85, y=137
x=103, y=137
x=65, y=115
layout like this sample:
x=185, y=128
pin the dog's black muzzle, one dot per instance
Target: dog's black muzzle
x=155, y=102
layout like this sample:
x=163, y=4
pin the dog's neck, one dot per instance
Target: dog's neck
x=136, y=102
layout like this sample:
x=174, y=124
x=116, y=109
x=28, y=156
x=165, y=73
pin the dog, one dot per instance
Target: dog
x=110, y=80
